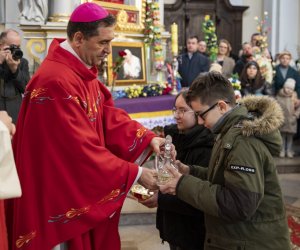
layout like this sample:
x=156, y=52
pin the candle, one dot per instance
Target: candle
x=174, y=39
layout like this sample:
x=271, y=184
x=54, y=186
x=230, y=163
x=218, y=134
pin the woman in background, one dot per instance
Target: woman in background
x=252, y=81
x=223, y=58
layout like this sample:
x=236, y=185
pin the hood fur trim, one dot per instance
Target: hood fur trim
x=270, y=115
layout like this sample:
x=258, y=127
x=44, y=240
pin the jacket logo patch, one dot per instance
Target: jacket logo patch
x=242, y=169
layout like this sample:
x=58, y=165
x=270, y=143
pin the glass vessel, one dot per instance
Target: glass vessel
x=163, y=161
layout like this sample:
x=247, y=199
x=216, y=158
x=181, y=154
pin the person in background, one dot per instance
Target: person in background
x=239, y=192
x=283, y=71
x=252, y=81
x=223, y=58
x=181, y=225
x=202, y=48
x=192, y=63
x=288, y=100
x=14, y=73
x=9, y=182
x=247, y=56
x=77, y=155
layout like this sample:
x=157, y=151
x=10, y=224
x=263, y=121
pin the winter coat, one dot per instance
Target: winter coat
x=279, y=81
x=239, y=192
x=189, y=69
x=291, y=112
x=179, y=223
x=12, y=86
x=247, y=88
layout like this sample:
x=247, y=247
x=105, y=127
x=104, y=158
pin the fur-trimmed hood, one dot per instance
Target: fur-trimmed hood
x=263, y=121
x=266, y=114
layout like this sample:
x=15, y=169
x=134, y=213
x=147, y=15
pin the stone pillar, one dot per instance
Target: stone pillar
x=60, y=11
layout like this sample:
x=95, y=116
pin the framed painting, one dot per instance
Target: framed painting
x=133, y=69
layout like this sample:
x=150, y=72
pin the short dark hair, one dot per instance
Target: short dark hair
x=254, y=34
x=193, y=37
x=211, y=87
x=89, y=29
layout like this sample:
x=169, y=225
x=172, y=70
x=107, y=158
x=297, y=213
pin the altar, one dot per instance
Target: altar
x=151, y=111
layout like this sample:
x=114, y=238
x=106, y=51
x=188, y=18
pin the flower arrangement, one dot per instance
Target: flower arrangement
x=133, y=91
x=210, y=37
x=153, y=90
x=235, y=82
x=263, y=30
x=153, y=32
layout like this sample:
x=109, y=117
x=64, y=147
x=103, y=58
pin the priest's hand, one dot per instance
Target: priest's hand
x=148, y=179
x=150, y=202
x=170, y=186
x=157, y=145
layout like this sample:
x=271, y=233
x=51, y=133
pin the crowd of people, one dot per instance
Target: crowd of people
x=258, y=74
x=225, y=194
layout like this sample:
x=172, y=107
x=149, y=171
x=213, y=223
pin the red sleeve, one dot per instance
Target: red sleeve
x=123, y=136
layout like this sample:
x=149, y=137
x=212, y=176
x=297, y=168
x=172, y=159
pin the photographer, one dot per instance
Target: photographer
x=14, y=73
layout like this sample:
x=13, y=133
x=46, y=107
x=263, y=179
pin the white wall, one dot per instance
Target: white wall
x=288, y=32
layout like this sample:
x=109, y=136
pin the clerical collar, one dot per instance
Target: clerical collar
x=67, y=46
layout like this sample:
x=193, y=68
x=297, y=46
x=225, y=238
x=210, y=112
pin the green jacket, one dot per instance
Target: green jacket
x=239, y=193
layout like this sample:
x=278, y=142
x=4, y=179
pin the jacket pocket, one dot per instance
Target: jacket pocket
x=213, y=242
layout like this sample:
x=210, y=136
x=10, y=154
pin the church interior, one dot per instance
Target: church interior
x=153, y=34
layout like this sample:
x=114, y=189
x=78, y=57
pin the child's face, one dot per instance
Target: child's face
x=288, y=90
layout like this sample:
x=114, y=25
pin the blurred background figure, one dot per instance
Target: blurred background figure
x=223, y=58
x=202, y=47
x=14, y=73
x=192, y=63
x=252, y=81
x=288, y=100
x=283, y=71
x=246, y=56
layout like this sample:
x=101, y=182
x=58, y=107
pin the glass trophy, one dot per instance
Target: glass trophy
x=163, y=161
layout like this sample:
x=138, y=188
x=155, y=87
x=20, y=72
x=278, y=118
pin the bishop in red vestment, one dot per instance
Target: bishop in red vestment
x=74, y=150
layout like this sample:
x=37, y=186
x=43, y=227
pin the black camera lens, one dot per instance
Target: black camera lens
x=16, y=52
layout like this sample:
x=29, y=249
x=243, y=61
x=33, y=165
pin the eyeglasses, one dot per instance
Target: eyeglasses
x=180, y=112
x=201, y=114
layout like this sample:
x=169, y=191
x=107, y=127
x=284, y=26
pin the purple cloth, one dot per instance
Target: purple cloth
x=146, y=104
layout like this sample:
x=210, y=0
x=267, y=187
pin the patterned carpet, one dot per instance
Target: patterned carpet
x=293, y=217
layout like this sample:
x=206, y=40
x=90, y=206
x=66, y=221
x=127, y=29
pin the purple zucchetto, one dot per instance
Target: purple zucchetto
x=88, y=12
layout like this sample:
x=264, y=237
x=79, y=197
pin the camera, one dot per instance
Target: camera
x=16, y=52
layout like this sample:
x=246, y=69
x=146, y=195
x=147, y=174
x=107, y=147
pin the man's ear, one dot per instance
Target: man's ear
x=223, y=106
x=78, y=38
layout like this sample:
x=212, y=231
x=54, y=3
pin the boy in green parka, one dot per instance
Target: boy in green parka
x=239, y=192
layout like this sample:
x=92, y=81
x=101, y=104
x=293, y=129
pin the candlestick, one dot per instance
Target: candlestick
x=174, y=90
x=174, y=39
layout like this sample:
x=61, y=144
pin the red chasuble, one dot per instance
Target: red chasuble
x=74, y=153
